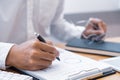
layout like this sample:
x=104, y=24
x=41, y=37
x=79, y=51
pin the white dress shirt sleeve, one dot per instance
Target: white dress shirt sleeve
x=4, y=50
x=62, y=29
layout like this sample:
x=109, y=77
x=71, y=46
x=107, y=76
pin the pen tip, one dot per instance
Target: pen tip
x=58, y=58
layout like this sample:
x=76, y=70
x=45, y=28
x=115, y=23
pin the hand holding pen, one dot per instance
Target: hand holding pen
x=40, y=38
x=95, y=30
x=32, y=55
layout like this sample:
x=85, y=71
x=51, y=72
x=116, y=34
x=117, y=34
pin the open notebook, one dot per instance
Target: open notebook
x=71, y=67
x=87, y=46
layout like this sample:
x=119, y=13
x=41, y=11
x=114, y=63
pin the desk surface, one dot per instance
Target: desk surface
x=99, y=57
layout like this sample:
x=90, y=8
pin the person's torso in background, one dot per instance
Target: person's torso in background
x=13, y=18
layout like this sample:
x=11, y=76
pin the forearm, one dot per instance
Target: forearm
x=65, y=31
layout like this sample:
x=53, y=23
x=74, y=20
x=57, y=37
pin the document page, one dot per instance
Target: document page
x=70, y=64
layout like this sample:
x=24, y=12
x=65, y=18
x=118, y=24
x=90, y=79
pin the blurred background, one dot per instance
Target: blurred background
x=107, y=10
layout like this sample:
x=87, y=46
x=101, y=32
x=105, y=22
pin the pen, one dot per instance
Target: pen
x=105, y=74
x=40, y=38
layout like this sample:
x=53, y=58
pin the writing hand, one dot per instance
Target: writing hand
x=31, y=55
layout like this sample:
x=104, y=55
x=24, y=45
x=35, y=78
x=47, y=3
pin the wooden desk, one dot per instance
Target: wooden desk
x=97, y=57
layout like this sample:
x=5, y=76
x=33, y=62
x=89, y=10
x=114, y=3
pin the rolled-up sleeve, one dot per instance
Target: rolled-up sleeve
x=4, y=50
x=62, y=29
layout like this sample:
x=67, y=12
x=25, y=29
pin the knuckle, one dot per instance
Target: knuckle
x=32, y=53
x=53, y=58
x=31, y=62
x=34, y=43
x=53, y=49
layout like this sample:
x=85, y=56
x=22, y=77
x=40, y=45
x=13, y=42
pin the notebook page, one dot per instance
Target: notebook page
x=70, y=64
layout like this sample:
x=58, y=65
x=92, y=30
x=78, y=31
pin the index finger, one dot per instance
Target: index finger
x=46, y=47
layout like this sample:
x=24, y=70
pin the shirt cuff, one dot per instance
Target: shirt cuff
x=79, y=31
x=4, y=50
